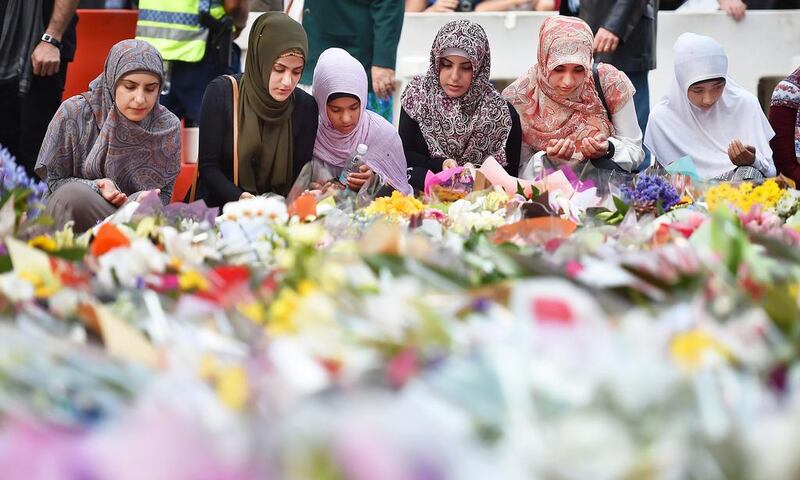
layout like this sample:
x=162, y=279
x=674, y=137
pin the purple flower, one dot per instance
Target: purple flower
x=14, y=177
x=649, y=191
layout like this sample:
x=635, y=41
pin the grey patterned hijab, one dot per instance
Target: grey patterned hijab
x=90, y=138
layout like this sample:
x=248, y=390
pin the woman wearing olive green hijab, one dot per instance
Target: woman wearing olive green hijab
x=277, y=123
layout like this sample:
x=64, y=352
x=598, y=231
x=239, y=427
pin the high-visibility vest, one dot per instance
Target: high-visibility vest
x=173, y=26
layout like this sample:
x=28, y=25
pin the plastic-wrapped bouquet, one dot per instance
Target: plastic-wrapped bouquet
x=651, y=195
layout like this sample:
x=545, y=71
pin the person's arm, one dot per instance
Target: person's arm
x=414, y=146
x=46, y=58
x=443, y=6
x=238, y=10
x=387, y=21
x=619, y=24
x=416, y=5
x=59, y=142
x=503, y=5
x=627, y=139
x=734, y=8
x=514, y=143
x=215, y=122
x=783, y=121
x=624, y=16
x=387, y=18
x=763, y=162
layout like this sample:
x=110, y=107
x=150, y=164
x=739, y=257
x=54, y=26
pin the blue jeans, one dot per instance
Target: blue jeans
x=641, y=101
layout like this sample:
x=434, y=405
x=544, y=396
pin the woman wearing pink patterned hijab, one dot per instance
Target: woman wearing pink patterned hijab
x=340, y=89
x=562, y=114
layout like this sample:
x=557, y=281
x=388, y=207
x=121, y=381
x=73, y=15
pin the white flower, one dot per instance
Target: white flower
x=182, y=245
x=270, y=208
x=466, y=216
x=15, y=289
x=131, y=263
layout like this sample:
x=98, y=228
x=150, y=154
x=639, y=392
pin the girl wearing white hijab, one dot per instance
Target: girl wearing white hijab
x=710, y=118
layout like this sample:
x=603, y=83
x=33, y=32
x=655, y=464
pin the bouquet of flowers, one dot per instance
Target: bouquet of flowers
x=651, y=195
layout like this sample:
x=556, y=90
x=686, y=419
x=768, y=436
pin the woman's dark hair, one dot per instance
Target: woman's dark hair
x=338, y=95
x=710, y=80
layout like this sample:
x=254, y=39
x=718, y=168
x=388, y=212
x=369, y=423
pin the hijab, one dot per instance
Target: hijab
x=546, y=115
x=265, y=124
x=90, y=138
x=338, y=72
x=473, y=126
x=787, y=94
x=677, y=128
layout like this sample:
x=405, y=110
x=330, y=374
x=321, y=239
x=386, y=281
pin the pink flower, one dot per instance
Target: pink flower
x=402, y=367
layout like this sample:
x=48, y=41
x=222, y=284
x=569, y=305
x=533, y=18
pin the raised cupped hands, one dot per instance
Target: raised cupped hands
x=562, y=149
x=740, y=154
x=594, y=147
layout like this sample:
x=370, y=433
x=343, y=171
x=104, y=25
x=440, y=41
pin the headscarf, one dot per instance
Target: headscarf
x=265, y=124
x=473, y=126
x=544, y=114
x=677, y=128
x=90, y=138
x=787, y=94
x=338, y=72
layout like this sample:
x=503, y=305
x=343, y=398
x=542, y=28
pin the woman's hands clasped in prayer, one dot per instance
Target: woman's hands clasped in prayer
x=590, y=147
x=740, y=154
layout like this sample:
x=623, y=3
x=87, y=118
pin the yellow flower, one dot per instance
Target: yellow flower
x=43, y=287
x=281, y=313
x=232, y=387
x=306, y=287
x=691, y=348
x=192, y=280
x=745, y=196
x=175, y=264
x=43, y=242
x=254, y=311
x=398, y=205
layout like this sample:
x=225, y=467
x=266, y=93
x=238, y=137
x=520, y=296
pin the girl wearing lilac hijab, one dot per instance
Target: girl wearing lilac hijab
x=340, y=89
x=111, y=143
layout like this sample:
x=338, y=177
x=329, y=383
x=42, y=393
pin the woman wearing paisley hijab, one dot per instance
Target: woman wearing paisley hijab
x=112, y=142
x=452, y=115
x=277, y=123
x=563, y=116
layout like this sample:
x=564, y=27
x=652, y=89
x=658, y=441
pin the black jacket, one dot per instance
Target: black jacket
x=633, y=21
x=215, y=156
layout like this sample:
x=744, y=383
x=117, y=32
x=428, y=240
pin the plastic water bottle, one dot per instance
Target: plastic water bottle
x=353, y=164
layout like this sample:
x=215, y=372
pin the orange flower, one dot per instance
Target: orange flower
x=108, y=238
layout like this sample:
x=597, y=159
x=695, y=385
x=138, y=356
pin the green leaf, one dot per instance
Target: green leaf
x=622, y=207
x=781, y=307
x=5, y=264
x=520, y=190
x=74, y=254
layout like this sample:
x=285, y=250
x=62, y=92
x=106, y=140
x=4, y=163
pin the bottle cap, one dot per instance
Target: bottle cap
x=361, y=149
